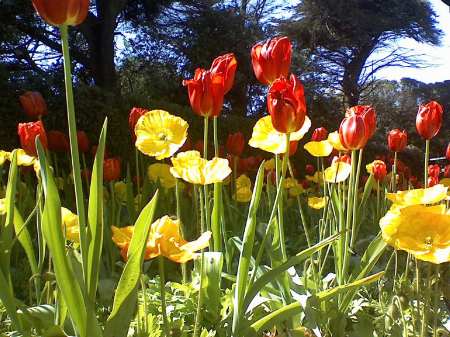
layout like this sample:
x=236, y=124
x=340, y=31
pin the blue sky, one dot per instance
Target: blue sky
x=438, y=57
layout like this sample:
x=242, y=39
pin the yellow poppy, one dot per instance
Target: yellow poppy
x=164, y=239
x=333, y=138
x=4, y=156
x=120, y=191
x=266, y=138
x=293, y=186
x=337, y=172
x=419, y=196
x=161, y=172
x=23, y=159
x=319, y=149
x=423, y=231
x=192, y=168
x=317, y=178
x=269, y=165
x=70, y=224
x=317, y=202
x=243, y=189
x=160, y=134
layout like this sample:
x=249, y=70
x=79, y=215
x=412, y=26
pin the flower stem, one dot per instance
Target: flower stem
x=198, y=315
x=74, y=145
x=427, y=159
x=162, y=283
x=205, y=156
x=280, y=200
x=216, y=225
x=426, y=304
x=183, y=234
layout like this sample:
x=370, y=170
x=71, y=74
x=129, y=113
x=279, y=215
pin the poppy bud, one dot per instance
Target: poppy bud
x=286, y=104
x=432, y=181
x=319, y=134
x=447, y=152
x=369, y=117
x=352, y=132
x=111, y=169
x=83, y=142
x=206, y=91
x=271, y=59
x=447, y=171
x=235, y=143
x=429, y=120
x=309, y=169
x=225, y=65
x=397, y=140
x=67, y=12
x=28, y=132
x=434, y=170
x=58, y=142
x=33, y=104
x=133, y=118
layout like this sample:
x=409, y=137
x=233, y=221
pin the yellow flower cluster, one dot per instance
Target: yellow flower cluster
x=414, y=226
x=164, y=239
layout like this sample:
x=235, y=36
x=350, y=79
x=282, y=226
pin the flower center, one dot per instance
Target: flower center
x=428, y=242
x=162, y=137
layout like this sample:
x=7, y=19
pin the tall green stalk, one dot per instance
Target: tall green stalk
x=76, y=171
x=162, y=283
x=427, y=160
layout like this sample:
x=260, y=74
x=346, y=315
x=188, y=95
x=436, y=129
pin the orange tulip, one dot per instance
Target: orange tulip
x=225, y=65
x=286, y=104
x=33, y=104
x=28, y=132
x=62, y=12
x=271, y=59
x=429, y=119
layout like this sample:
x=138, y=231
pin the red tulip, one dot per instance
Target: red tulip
x=111, y=169
x=319, y=134
x=83, y=142
x=369, y=117
x=235, y=143
x=206, y=91
x=66, y=12
x=379, y=170
x=286, y=104
x=434, y=170
x=352, y=132
x=429, y=119
x=58, y=141
x=226, y=66
x=447, y=152
x=33, y=104
x=133, y=118
x=432, y=181
x=309, y=169
x=271, y=59
x=28, y=133
x=447, y=171
x=397, y=140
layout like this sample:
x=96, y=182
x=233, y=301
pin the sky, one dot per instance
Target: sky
x=438, y=56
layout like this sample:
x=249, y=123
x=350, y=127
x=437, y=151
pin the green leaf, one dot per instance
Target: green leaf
x=126, y=292
x=247, y=250
x=213, y=262
x=95, y=219
x=51, y=228
x=41, y=317
x=271, y=275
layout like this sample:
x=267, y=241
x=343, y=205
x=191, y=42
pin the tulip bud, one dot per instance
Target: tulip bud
x=33, y=104
x=429, y=120
x=397, y=140
x=58, y=142
x=206, y=91
x=352, y=132
x=286, y=104
x=111, y=169
x=447, y=152
x=66, y=12
x=83, y=142
x=133, y=118
x=369, y=117
x=432, y=181
x=235, y=144
x=379, y=170
x=28, y=132
x=319, y=134
x=226, y=66
x=434, y=170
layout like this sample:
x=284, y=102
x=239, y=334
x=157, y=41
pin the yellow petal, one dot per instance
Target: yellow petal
x=243, y=194
x=319, y=149
x=317, y=202
x=23, y=159
x=4, y=156
x=160, y=134
x=317, y=178
x=159, y=172
x=2, y=206
x=122, y=236
x=266, y=138
x=337, y=172
x=243, y=181
x=419, y=196
x=70, y=225
x=333, y=138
